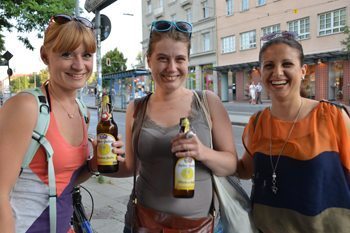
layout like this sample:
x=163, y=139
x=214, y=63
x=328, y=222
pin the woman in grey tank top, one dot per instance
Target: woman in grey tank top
x=159, y=142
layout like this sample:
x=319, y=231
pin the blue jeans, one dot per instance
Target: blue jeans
x=217, y=229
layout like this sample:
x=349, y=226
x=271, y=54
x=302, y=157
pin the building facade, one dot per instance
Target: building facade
x=201, y=13
x=319, y=25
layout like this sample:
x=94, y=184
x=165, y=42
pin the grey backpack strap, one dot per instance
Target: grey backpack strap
x=39, y=139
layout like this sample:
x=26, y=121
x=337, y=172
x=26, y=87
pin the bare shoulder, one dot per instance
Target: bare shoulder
x=212, y=98
x=22, y=107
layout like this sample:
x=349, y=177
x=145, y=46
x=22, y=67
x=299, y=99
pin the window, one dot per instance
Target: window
x=270, y=29
x=248, y=40
x=205, y=9
x=149, y=6
x=245, y=5
x=301, y=27
x=229, y=7
x=206, y=41
x=332, y=22
x=260, y=2
x=161, y=3
x=228, y=44
x=189, y=15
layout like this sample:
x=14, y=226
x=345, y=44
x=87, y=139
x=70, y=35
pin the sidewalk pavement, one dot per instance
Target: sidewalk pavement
x=239, y=112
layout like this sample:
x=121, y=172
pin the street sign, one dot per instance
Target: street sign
x=93, y=5
x=105, y=26
x=7, y=56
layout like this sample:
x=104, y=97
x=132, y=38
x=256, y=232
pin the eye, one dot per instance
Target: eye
x=66, y=54
x=87, y=56
x=162, y=59
x=268, y=66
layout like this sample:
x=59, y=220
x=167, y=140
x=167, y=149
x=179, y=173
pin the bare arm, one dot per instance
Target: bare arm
x=245, y=166
x=18, y=117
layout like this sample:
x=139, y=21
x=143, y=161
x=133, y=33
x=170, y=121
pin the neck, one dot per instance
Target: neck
x=286, y=110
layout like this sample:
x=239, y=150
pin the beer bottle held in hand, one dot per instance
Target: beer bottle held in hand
x=107, y=133
x=184, y=169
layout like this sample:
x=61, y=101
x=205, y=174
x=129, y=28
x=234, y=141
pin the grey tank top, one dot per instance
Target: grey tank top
x=155, y=181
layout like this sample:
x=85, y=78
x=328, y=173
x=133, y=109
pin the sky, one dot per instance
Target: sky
x=126, y=35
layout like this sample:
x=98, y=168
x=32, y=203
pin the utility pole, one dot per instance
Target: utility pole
x=77, y=13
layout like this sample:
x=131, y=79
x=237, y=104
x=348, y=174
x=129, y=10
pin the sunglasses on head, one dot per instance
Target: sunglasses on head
x=285, y=34
x=62, y=19
x=165, y=25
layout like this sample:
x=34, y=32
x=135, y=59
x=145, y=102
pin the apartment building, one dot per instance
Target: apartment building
x=201, y=13
x=319, y=25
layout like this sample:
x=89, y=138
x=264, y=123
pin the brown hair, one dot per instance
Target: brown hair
x=172, y=34
x=282, y=40
x=69, y=36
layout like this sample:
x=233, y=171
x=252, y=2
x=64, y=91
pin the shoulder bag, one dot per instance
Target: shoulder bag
x=235, y=205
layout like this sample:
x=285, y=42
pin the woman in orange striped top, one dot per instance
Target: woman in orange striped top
x=297, y=151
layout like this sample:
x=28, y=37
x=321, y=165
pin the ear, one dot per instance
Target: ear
x=303, y=70
x=43, y=55
x=148, y=62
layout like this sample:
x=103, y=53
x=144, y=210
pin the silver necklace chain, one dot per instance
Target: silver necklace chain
x=274, y=167
x=70, y=115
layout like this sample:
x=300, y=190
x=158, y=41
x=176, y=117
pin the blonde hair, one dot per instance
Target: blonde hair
x=68, y=37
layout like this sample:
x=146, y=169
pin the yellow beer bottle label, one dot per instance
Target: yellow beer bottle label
x=185, y=174
x=105, y=156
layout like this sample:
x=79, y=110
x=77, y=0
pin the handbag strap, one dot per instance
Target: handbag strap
x=203, y=102
x=140, y=106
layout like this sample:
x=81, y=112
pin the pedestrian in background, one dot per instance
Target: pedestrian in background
x=297, y=150
x=159, y=142
x=252, y=93
x=68, y=48
x=258, y=88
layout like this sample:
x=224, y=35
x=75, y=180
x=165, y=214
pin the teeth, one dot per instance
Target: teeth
x=280, y=82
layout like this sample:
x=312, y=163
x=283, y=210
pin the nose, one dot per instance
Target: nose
x=78, y=63
x=171, y=65
x=278, y=71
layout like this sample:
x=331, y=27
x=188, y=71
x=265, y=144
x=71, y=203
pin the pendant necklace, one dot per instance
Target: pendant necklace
x=274, y=166
x=70, y=115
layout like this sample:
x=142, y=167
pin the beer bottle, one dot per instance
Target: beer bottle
x=184, y=169
x=107, y=133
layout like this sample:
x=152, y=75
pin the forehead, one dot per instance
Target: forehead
x=171, y=47
x=281, y=50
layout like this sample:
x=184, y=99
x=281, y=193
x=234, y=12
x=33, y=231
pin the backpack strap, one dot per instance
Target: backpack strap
x=39, y=139
x=83, y=109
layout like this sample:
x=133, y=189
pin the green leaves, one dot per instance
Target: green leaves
x=25, y=16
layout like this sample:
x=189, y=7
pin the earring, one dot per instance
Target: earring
x=302, y=77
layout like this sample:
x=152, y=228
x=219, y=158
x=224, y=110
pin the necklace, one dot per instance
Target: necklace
x=70, y=115
x=274, y=166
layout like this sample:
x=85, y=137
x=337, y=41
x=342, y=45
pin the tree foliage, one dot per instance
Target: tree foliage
x=117, y=62
x=26, y=16
x=346, y=41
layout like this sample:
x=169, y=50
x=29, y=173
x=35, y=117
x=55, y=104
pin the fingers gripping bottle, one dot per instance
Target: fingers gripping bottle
x=107, y=133
x=184, y=169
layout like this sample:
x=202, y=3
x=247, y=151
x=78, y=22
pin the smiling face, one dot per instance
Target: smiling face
x=69, y=69
x=281, y=71
x=68, y=52
x=169, y=63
